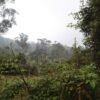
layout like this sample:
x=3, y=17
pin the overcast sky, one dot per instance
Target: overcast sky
x=46, y=19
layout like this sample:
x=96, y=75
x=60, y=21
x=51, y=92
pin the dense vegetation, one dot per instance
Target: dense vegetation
x=50, y=71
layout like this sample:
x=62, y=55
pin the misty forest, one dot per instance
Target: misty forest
x=49, y=70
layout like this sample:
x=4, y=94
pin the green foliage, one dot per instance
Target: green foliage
x=8, y=66
x=45, y=89
x=10, y=92
x=88, y=20
x=60, y=82
x=69, y=83
x=21, y=58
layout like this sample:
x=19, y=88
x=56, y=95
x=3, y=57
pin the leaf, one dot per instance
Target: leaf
x=93, y=84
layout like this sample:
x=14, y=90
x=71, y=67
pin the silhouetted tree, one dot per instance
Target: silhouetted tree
x=7, y=15
x=88, y=20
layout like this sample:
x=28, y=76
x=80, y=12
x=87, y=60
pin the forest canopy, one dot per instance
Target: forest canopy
x=48, y=70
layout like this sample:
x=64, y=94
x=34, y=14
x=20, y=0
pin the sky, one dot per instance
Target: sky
x=46, y=19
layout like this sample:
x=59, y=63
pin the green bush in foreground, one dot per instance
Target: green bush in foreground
x=65, y=83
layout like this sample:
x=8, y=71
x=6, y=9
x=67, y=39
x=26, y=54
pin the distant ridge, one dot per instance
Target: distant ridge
x=5, y=41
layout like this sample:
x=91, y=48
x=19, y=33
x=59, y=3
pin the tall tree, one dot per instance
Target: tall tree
x=88, y=20
x=76, y=55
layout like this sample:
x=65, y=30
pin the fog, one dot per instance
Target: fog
x=46, y=19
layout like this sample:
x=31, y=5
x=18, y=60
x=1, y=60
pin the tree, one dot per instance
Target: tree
x=7, y=16
x=88, y=20
x=58, y=51
x=77, y=55
x=41, y=52
x=22, y=41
